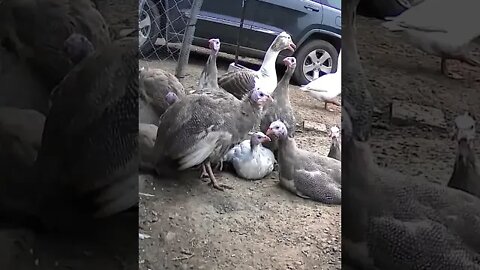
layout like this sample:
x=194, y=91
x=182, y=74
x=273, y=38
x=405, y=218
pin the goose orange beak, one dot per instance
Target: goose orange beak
x=292, y=47
x=269, y=132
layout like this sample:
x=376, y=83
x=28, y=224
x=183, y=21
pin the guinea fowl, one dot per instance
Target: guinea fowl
x=155, y=84
x=426, y=28
x=306, y=174
x=192, y=131
x=209, y=76
x=327, y=87
x=239, y=82
x=335, y=148
x=250, y=159
x=208, y=83
x=20, y=139
x=88, y=158
x=465, y=174
x=77, y=47
x=20, y=86
x=281, y=109
x=147, y=133
x=56, y=20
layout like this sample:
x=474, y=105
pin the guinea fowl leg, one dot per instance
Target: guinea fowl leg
x=447, y=73
x=204, y=173
x=213, y=180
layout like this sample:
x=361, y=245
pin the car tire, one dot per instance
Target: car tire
x=304, y=59
x=149, y=33
x=388, y=8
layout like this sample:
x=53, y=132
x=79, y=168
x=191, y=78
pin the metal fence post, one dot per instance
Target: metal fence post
x=188, y=39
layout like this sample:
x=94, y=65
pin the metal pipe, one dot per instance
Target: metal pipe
x=242, y=19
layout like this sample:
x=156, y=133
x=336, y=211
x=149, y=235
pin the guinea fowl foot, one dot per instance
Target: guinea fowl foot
x=213, y=180
x=204, y=174
x=449, y=74
x=454, y=76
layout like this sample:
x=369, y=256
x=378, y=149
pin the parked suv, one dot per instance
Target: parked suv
x=315, y=27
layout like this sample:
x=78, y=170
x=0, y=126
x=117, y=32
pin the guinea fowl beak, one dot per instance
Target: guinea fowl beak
x=269, y=132
x=292, y=46
x=266, y=139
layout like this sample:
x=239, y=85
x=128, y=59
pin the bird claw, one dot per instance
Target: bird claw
x=454, y=76
x=220, y=187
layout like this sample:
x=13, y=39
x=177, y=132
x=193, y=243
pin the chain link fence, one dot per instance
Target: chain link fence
x=163, y=25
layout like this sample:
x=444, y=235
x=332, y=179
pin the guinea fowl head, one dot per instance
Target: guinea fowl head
x=214, y=45
x=258, y=138
x=290, y=62
x=259, y=97
x=283, y=42
x=334, y=132
x=464, y=134
x=77, y=47
x=277, y=129
x=171, y=98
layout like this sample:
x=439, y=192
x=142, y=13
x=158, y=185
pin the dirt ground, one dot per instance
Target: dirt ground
x=258, y=225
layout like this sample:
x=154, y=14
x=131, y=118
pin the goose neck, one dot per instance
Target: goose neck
x=268, y=65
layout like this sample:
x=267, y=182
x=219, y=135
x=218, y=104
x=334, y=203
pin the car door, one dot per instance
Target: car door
x=217, y=19
x=273, y=16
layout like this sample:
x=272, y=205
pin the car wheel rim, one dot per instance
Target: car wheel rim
x=316, y=64
x=144, y=27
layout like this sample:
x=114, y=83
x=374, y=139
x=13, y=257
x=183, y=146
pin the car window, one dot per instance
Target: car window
x=334, y=3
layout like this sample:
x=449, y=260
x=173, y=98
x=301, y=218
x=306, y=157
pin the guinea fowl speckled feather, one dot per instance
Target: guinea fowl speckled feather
x=193, y=132
x=88, y=159
x=465, y=174
x=154, y=85
x=281, y=109
x=239, y=82
x=306, y=174
x=56, y=20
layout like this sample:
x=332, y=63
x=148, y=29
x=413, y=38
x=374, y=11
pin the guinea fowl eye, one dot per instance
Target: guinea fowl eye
x=261, y=94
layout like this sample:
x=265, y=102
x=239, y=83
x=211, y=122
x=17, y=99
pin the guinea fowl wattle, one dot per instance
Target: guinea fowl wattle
x=465, y=174
x=192, y=132
x=306, y=174
x=239, y=82
x=154, y=85
x=281, y=108
x=88, y=158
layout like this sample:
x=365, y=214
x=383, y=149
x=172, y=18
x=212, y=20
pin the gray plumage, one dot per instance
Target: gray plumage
x=193, y=132
x=209, y=75
x=154, y=85
x=465, y=174
x=281, y=108
x=88, y=161
x=236, y=82
x=147, y=134
x=56, y=20
x=307, y=174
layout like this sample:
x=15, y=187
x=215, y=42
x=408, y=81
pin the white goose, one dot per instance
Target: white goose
x=327, y=87
x=430, y=27
x=250, y=159
x=239, y=82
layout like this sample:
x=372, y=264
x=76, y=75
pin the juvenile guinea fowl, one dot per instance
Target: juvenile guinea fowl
x=155, y=84
x=88, y=161
x=56, y=20
x=250, y=159
x=281, y=108
x=239, y=82
x=465, y=174
x=192, y=132
x=426, y=28
x=327, y=87
x=306, y=174
x=335, y=148
x=147, y=134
